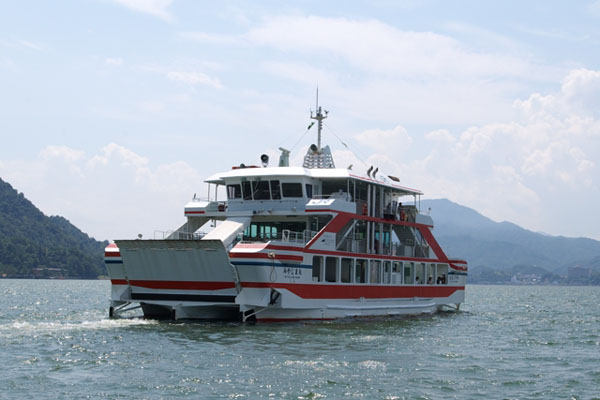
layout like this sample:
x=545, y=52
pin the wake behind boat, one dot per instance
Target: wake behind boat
x=314, y=242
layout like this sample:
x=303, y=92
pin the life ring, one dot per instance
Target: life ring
x=364, y=210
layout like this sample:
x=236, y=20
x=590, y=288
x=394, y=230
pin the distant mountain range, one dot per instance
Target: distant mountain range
x=33, y=245
x=465, y=233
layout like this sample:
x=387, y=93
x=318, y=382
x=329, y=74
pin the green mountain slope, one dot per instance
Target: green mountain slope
x=33, y=244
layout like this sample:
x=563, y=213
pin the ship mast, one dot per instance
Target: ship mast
x=319, y=116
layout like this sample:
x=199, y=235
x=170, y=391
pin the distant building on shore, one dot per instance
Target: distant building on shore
x=579, y=273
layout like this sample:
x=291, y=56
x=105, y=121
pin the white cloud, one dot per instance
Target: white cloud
x=526, y=170
x=594, y=8
x=373, y=46
x=63, y=152
x=194, y=78
x=157, y=8
x=390, y=142
x=115, y=193
x=389, y=74
x=31, y=45
x=442, y=136
x=212, y=38
x=114, y=61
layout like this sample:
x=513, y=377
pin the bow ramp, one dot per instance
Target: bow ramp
x=182, y=278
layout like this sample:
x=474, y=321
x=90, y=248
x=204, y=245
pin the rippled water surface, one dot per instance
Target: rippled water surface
x=507, y=342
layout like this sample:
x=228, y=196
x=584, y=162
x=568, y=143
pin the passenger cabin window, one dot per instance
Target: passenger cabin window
x=291, y=189
x=247, y=190
x=360, y=271
x=347, y=270
x=260, y=190
x=261, y=231
x=397, y=271
x=331, y=269
x=386, y=272
x=420, y=274
x=275, y=190
x=442, y=274
x=317, y=263
x=234, y=191
x=408, y=273
x=375, y=271
x=431, y=274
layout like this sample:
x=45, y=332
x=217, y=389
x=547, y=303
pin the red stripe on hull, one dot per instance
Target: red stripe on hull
x=287, y=257
x=315, y=291
x=112, y=254
x=182, y=285
x=119, y=282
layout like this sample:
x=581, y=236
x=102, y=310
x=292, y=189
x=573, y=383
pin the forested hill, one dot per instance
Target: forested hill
x=35, y=245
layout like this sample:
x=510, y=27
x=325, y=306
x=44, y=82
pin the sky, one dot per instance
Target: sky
x=113, y=112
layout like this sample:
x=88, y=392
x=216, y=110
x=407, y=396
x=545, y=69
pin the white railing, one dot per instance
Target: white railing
x=296, y=237
x=180, y=235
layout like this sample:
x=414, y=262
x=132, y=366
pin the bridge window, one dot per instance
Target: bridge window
x=309, y=190
x=291, y=189
x=234, y=191
x=260, y=190
x=247, y=190
x=334, y=186
x=275, y=190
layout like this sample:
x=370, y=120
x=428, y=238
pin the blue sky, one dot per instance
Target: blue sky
x=113, y=112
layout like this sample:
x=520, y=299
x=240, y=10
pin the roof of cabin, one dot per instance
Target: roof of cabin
x=318, y=173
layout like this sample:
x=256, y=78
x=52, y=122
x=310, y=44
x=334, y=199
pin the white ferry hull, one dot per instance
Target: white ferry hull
x=277, y=303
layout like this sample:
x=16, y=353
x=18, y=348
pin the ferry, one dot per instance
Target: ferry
x=310, y=242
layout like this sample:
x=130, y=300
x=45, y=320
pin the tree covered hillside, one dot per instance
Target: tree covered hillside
x=35, y=245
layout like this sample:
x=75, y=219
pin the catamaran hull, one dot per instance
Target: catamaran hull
x=278, y=303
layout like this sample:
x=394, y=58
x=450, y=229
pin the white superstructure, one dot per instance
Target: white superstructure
x=310, y=242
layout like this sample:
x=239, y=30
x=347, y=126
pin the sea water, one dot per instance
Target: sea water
x=513, y=342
